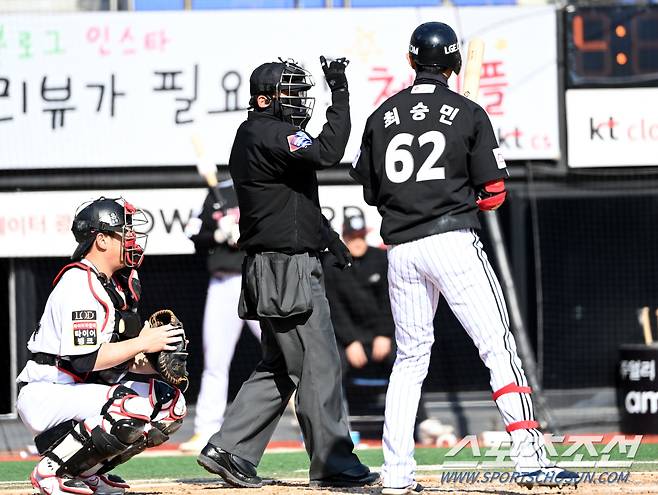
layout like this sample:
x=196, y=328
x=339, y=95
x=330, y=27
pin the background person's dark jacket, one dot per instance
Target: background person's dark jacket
x=358, y=298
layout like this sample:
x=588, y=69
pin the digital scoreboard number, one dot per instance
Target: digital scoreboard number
x=611, y=46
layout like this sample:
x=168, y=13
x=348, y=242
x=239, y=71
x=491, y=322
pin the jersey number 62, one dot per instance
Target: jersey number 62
x=395, y=154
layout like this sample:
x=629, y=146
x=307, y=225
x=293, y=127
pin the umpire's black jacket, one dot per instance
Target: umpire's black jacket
x=273, y=167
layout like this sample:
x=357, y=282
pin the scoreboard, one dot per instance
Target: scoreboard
x=612, y=46
x=611, y=83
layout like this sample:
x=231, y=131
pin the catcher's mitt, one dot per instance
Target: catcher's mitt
x=172, y=365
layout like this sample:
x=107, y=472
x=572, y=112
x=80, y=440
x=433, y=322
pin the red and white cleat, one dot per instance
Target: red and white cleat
x=48, y=483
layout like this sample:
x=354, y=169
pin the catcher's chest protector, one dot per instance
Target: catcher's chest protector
x=125, y=300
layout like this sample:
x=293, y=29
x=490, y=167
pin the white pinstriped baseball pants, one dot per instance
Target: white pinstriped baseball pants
x=454, y=265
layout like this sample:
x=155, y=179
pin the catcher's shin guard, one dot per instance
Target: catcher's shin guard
x=79, y=450
x=77, y=447
x=136, y=448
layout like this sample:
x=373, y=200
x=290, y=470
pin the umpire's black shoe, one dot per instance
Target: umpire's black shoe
x=359, y=475
x=233, y=469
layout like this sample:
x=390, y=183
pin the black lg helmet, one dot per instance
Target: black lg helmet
x=435, y=44
x=108, y=215
x=287, y=83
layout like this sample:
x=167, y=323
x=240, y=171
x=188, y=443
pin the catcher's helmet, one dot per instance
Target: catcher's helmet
x=287, y=83
x=435, y=44
x=109, y=215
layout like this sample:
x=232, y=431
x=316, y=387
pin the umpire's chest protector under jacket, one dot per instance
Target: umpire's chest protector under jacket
x=273, y=165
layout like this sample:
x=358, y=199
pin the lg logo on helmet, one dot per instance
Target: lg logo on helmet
x=451, y=48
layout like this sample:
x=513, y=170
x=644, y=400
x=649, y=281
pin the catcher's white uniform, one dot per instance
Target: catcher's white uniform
x=78, y=318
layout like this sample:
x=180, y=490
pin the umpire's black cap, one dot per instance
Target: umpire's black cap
x=265, y=78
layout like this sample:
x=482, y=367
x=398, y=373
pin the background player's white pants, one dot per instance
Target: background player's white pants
x=221, y=331
x=452, y=264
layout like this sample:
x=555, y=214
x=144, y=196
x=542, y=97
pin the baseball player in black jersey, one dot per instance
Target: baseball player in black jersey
x=273, y=165
x=429, y=160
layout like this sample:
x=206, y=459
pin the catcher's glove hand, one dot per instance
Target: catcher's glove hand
x=172, y=365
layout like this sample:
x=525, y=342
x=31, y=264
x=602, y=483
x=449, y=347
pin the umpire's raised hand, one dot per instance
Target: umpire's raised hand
x=334, y=72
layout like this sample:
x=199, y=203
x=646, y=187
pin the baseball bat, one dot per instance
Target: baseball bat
x=645, y=321
x=474, y=56
x=470, y=90
x=207, y=169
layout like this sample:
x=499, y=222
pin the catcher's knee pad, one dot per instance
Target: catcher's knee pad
x=169, y=409
x=125, y=414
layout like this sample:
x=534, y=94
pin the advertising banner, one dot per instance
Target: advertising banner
x=38, y=224
x=132, y=88
x=612, y=127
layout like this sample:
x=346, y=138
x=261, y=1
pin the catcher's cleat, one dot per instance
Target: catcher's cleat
x=233, y=469
x=105, y=484
x=548, y=477
x=48, y=483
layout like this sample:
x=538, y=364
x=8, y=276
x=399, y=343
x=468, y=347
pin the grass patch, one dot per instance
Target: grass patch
x=295, y=464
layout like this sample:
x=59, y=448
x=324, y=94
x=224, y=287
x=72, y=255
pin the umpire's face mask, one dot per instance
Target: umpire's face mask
x=294, y=104
x=295, y=108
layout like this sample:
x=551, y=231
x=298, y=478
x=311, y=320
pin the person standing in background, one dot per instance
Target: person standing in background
x=215, y=233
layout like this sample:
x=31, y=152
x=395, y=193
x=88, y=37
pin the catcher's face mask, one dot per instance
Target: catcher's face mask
x=133, y=237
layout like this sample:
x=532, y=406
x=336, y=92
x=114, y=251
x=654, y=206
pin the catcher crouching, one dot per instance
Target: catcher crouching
x=87, y=417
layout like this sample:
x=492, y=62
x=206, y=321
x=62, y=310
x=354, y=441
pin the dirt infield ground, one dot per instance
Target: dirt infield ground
x=639, y=483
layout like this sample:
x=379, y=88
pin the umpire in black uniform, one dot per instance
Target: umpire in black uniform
x=273, y=163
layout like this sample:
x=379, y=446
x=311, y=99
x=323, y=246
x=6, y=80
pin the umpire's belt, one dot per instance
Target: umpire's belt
x=44, y=358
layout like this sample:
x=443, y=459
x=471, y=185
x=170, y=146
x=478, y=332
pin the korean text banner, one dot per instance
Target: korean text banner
x=27, y=229
x=131, y=89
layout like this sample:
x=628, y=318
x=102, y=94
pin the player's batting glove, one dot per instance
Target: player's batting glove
x=334, y=72
x=339, y=250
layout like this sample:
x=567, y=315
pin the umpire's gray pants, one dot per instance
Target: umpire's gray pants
x=297, y=353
